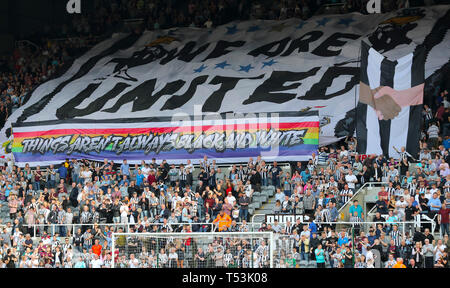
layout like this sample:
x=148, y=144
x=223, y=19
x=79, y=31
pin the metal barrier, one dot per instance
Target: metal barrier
x=257, y=215
x=58, y=228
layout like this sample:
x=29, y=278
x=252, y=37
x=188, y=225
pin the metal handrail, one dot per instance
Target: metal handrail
x=369, y=184
x=228, y=166
x=18, y=42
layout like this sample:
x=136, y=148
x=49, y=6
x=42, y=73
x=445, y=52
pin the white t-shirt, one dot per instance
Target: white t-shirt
x=231, y=200
x=86, y=174
x=370, y=260
x=133, y=263
x=401, y=203
x=349, y=179
x=124, y=211
x=438, y=253
x=173, y=256
x=146, y=171
x=97, y=263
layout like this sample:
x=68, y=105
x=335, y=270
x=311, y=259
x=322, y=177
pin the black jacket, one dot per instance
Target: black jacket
x=255, y=178
x=73, y=196
x=53, y=217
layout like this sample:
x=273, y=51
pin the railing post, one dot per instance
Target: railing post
x=112, y=250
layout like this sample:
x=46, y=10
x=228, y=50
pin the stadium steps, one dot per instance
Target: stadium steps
x=267, y=193
x=4, y=213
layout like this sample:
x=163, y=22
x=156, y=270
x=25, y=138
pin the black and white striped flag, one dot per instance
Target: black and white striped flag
x=390, y=102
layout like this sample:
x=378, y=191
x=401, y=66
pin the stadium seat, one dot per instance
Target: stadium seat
x=312, y=264
x=303, y=264
x=266, y=193
x=264, y=198
x=256, y=205
x=259, y=199
x=256, y=194
x=252, y=206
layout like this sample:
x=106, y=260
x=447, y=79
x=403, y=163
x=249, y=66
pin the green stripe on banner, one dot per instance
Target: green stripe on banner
x=16, y=150
x=311, y=141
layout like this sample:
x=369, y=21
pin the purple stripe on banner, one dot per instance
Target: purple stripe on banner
x=305, y=150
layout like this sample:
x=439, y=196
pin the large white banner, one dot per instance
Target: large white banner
x=252, y=66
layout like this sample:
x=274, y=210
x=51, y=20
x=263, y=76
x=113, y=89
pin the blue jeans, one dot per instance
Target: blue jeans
x=37, y=185
x=109, y=241
x=276, y=182
x=446, y=129
x=445, y=229
x=199, y=212
x=243, y=214
x=75, y=178
x=304, y=256
x=62, y=231
x=51, y=184
x=144, y=213
x=265, y=182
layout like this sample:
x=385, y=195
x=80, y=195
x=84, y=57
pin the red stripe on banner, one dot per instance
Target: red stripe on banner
x=159, y=129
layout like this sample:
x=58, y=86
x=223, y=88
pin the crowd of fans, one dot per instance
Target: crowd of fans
x=158, y=197
x=158, y=14
x=32, y=64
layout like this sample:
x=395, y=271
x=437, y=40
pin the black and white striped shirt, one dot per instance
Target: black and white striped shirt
x=422, y=189
x=227, y=258
x=265, y=261
x=182, y=175
x=404, y=155
x=242, y=174
x=66, y=247
x=289, y=229
x=391, y=191
x=85, y=217
x=344, y=197
x=396, y=236
x=264, y=172
x=412, y=188
x=356, y=220
x=332, y=184
x=428, y=114
x=332, y=165
x=260, y=250
x=87, y=238
x=205, y=165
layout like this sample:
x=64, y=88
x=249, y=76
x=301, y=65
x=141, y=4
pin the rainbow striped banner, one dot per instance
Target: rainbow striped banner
x=227, y=138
